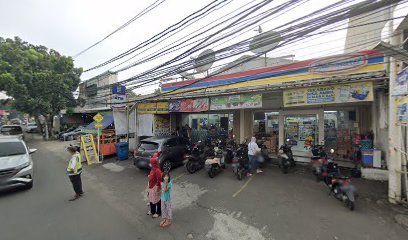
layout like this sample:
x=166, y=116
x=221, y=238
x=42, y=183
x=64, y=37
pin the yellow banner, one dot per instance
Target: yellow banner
x=162, y=108
x=153, y=108
x=344, y=93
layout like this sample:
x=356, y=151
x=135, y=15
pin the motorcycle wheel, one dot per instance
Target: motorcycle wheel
x=211, y=172
x=350, y=205
x=285, y=169
x=190, y=167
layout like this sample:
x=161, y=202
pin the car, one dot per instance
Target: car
x=31, y=128
x=16, y=165
x=65, y=131
x=15, y=130
x=69, y=136
x=169, y=151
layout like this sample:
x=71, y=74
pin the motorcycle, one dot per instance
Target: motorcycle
x=285, y=156
x=214, y=165
x=318, y=159
x=196, y=158
x=339, y=185
x=240, y=164
x=229, y=151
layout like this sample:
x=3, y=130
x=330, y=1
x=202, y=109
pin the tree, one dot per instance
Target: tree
x=40, y=80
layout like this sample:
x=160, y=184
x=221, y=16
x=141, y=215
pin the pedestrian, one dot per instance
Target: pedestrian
x=253, y=152
x=166, y=201
x=155, y=178
x=74, y=171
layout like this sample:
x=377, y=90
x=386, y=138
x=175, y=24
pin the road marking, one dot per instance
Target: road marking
x=243, y=187
x=179, y=176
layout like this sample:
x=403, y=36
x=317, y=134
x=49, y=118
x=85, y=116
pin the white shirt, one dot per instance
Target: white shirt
x=74, y=160
x=253, y=148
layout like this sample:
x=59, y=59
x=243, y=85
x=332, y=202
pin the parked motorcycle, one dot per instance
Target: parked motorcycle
x=340, y=186
x=230, y=148
x=240, y=164
x=318, y=159
x=214, y=165
x=285, y=156
x=196, y=159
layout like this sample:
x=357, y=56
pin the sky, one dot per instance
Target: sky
x=70, y=26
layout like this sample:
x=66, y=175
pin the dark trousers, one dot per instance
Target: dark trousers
x=76, y=183
x=155, y=208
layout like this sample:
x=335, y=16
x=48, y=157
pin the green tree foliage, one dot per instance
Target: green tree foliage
x=40, y=80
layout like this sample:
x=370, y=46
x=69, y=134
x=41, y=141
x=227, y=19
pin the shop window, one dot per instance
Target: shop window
x=302, y=131
x=266, y=128
x=339, y=131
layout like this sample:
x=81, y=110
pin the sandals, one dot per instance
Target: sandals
x=164, y=225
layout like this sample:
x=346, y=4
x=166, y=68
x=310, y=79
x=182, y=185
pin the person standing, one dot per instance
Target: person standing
x=155, y=178
x=74, y=171
x=166, y=201
x=253, y=153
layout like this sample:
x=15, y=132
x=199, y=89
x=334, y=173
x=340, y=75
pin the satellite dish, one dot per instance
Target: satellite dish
x=204, y=61
x=265, y=42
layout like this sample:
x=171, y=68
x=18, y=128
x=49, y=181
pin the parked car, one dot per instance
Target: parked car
x=74, y=134
x=16, y=165
x=169, y=151
x=31, y=128
x=65, y=131
x=14, y=130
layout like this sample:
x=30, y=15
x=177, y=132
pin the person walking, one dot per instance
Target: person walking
x=74, y=171
x=155, y=179
x=253, y=153
x=166, y=201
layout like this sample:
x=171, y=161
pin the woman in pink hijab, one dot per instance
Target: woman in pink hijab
x=155, y=178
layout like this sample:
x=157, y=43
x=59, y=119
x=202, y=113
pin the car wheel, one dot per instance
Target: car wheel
x=166, y=166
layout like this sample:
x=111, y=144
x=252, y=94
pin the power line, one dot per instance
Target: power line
x=139, y=15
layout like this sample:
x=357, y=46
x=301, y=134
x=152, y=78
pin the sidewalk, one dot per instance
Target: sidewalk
x=267, y=206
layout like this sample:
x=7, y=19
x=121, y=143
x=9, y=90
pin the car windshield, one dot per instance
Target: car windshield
x=11, y=148
x=148, y=146
x=11, y=129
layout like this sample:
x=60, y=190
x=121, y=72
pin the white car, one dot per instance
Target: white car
x=16, y=165
x=31, y=128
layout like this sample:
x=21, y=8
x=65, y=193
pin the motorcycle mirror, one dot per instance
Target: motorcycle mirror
x=287, y=140
x=332, y=150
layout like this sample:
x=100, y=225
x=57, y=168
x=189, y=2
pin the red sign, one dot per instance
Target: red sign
x=186, y=106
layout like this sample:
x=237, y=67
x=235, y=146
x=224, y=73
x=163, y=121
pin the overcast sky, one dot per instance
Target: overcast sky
x=69, y=26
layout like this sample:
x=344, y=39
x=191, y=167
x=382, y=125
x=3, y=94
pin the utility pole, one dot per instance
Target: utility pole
x=394, y=132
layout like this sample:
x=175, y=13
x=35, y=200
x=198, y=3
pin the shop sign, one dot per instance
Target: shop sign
x=345, y=93
x=236, y=102
x=162, y=107
x=336, y=64
x=189, y=105
x=401, y=84
x=118, y=101
x=146, y=108
x=120, y=90
x=402, y=111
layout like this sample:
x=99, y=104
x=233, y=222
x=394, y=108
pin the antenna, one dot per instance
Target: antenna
x=204, y=61
x=265, y=42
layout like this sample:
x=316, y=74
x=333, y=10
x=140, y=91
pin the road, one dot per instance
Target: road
x=268, y=206
x=44, y=212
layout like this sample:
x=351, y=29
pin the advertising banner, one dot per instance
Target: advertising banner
x=162, y=107
x=345, y=93
x=236, y=102
x=401, y=85
x=402, y=104
x=146, y=108
x=189, y=105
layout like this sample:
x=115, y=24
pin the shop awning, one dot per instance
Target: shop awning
x=392, y=51
x=106, y=122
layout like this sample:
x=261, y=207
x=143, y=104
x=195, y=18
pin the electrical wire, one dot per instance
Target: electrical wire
x=139, y=15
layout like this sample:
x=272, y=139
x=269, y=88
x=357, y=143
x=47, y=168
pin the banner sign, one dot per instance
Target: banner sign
x=196, y=105
x=402, y=111
x=344, y=93
x=401, y=85
x=118, y=96
x=120, y=90
x=153, y=108
x=161, y=125
x=236, y=101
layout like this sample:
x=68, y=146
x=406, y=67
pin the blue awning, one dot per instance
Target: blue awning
x=106, y=122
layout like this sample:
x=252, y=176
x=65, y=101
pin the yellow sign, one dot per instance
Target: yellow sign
x=98, y=118
x=88, y=149
x=99, y=125
x=344, y=93
x=162, y=107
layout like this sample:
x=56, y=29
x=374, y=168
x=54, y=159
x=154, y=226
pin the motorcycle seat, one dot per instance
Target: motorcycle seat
x=315, y=157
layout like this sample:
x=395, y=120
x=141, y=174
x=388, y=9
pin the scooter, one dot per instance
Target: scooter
x=339, y=185
x=285, y=156
x=196, y=159
x=217, y=163
x=318, y=159
x=240, y=164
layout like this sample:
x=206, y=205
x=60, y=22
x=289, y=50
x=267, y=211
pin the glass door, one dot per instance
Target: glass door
x=302, y=131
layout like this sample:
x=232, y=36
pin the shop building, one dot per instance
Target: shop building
x=337, y=101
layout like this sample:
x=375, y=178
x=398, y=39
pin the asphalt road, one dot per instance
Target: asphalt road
x=44, y=212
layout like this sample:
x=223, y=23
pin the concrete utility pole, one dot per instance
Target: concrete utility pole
x=394, y=132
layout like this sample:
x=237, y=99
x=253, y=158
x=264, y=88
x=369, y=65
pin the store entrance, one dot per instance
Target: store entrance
x=302, y=131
